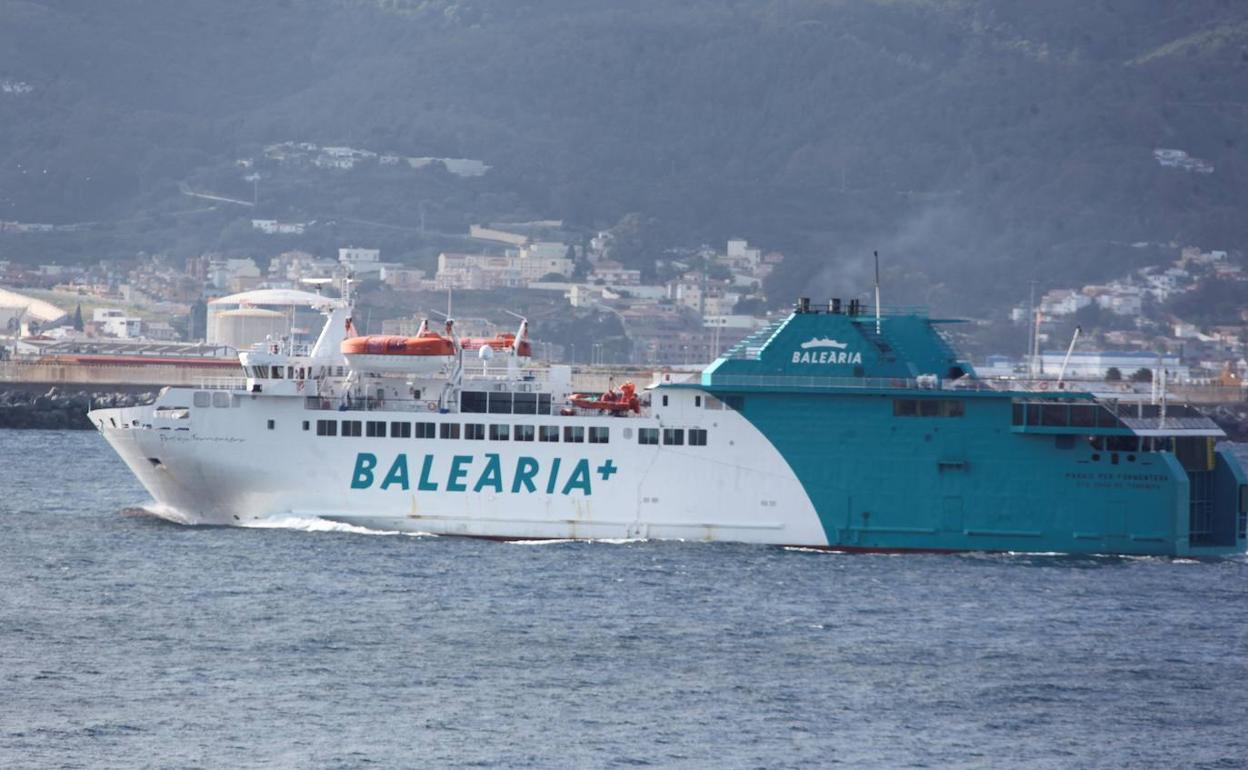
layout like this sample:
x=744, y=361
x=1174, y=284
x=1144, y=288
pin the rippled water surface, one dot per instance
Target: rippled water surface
x=128, y=641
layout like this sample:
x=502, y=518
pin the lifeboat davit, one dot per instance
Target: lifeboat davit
x=613, y=401
x=426, y=353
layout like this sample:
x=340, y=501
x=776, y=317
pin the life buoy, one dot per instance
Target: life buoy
x=431, y=406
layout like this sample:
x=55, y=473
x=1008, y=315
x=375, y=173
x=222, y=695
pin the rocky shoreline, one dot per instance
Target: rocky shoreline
x=59, y=409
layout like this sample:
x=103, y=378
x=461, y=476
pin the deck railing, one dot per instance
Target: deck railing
x=856, y=383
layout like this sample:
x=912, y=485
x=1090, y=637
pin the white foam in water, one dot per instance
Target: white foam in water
x=317, y=524
x=158, y=511
x=299, y=523
x=607, y=540
x=552, y=541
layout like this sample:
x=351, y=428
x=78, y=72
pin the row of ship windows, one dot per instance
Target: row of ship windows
x=290, y=372
x=504, y=402
x=928, y=407
x=571, y=434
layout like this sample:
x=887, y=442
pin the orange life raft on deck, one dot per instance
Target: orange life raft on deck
x=613, y=401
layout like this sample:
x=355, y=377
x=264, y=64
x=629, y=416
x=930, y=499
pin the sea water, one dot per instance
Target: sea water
x=129, y=641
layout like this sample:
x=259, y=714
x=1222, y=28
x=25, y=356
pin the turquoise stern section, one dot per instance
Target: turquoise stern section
x=968, y=483
x=894, y=459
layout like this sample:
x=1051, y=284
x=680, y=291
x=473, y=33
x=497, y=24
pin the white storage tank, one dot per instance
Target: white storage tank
x=242, y=328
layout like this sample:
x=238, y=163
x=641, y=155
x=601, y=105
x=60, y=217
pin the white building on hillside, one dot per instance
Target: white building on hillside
x=1063, y=302
x=112, y=322
x=477, y=271
x=543, y=258
x=360, y=261
x=741, y=256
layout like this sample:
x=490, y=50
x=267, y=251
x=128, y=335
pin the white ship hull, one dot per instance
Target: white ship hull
x=226, y=466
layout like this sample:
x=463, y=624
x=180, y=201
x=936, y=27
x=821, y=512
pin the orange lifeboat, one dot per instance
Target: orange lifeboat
x=500, y=343
x=425, y=353
x=430, y=344
x=515, y=344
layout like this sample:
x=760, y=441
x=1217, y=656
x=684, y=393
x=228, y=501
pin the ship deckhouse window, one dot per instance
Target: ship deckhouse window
x=548, y=433
x=697, y=437
x=674, y=436
x=665, y=401
x=272, y=424
x=352, y=428
x=220, y=399
x=327, y=427
x=524, y=403
x=201, y=398
x=574, y=434
x=474, y=432
x=928, y=407
x=543, y=403
x=1057, y=415
x=305, y=424
x=426, y=430
x=697, y=401
x=472, y=402
x=450, y=430
x=498, y=432
x=713, y=403
x=598, y=435
x=400, y=430
x=375, y=429
x=1083, y=415
x=647, y=435
x=276, y=372
x=500, y=403
x=524, y=433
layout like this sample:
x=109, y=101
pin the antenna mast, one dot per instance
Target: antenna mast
x=1061, y=373
x=877, y=292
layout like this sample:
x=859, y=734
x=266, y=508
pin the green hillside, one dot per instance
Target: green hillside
x=975, y=144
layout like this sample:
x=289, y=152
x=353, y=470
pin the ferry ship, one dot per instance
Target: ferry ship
x=831, y=428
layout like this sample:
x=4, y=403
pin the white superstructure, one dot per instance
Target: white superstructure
x=486, y=446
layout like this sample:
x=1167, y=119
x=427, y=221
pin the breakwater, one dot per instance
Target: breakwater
x=60, y=409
